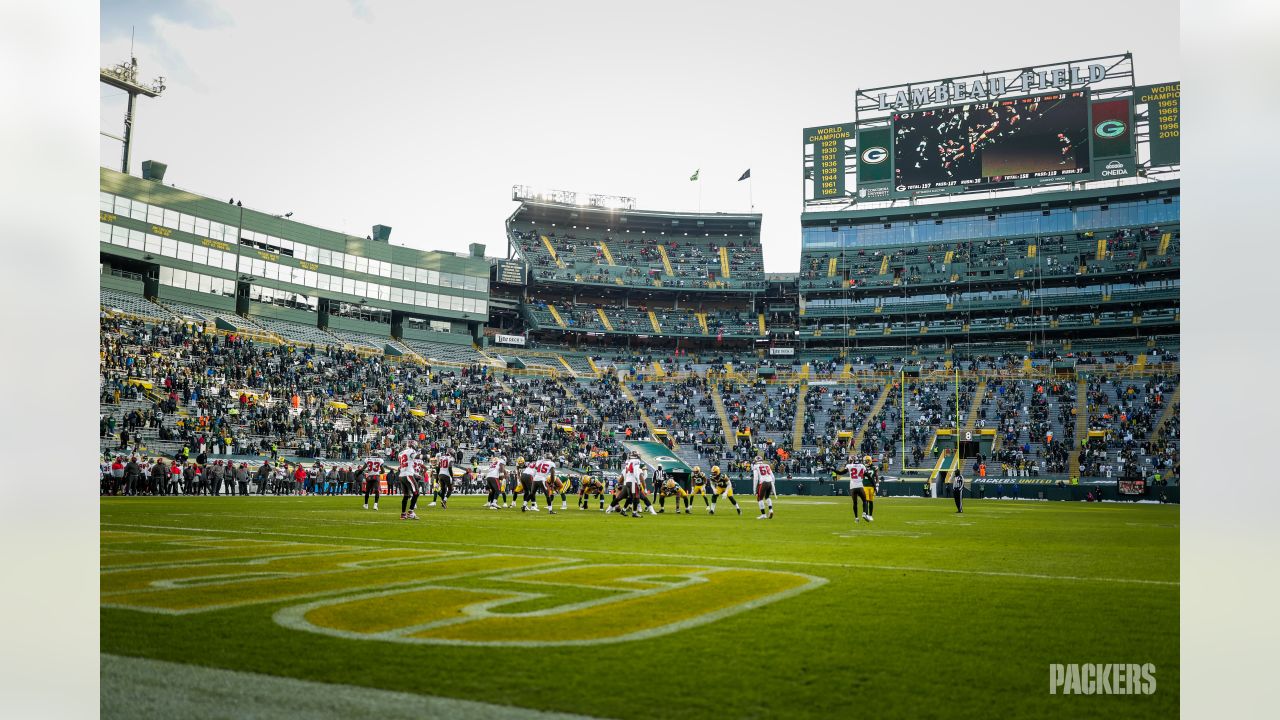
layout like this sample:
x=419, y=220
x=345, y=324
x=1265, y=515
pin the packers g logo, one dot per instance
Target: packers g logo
x=431, y=596
x=874, y=155
x=1109, y=129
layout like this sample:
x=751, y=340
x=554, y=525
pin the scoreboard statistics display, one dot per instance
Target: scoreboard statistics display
x=1042, y=138
x=510, y=272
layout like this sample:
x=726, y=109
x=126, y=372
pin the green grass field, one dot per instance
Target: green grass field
x=924, y=613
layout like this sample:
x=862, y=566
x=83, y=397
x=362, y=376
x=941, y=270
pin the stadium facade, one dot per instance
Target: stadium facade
x=1032, y=331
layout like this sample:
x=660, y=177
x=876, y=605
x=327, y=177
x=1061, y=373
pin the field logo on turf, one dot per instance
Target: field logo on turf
x=547, y=608
x=421, y=596
x=1102, y=679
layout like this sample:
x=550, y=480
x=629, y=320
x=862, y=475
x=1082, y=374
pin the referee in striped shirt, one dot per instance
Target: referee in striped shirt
x=957, y=490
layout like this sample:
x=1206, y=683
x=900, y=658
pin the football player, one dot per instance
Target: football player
x=870, y=481
x=701, y=486
x=564, y=486
x=856, y=470
x=762, y=483
x=370, y=470
x=408, y=483
x=543, y=478
x=631, y=486
x=524, y=486
x=590, y=486
x=493, y=474
x=723, y=486
x=444, y=477
x=672, y=488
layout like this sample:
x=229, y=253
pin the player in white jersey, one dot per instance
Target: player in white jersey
x=408, y=457
x=855, y=471
x=493, y=474
x=444, y=477
x=543, y=478
x=762, y=483
x=524, y=487
x=371, y=471
x=632, y=487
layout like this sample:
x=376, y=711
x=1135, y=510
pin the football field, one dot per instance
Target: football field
x=923, y=613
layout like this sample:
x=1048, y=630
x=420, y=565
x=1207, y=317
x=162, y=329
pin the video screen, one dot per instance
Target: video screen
x=1045, y=136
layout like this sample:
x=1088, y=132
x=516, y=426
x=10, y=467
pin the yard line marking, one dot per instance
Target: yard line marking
x=707, y=558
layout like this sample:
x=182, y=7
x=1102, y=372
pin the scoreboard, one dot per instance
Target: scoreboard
x=1064, y=122
x=1016, y=141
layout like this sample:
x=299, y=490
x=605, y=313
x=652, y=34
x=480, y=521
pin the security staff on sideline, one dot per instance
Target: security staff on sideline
x=957, y=490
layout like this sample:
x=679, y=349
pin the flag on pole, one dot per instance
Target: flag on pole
x=694, y=176
x=745, y=175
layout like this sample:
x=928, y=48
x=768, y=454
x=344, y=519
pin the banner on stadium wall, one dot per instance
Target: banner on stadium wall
x=875, y=163
x=509, y=340
x=1164, y=112
x=657, y=455
x=1112, y=122
x=782, y=351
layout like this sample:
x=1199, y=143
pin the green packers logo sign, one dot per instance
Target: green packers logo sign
x=1109, y=129
x=874, y=155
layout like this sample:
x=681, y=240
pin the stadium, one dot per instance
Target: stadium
x=980, y=348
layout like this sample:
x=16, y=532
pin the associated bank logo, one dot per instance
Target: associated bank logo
x=1115, y=168
x=1102, y=679
x=874, y=155
x=1109, y=129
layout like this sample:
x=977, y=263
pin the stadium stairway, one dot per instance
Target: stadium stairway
x=604, y=250
x=724, y=261
x=1082, y=427
x=846, y=373
x=657, y=369
x=702, y=322
x=875, y=411
x=884, y=265
x=644, y=416
x=653, y=320
x=594, y=368
x=556, y=314
x=730, y=438
x=666, y=261
x=407, y=351
x=972, y=418
x=567, y=367
x=1170, y=409
x=546, y=241
x=604, y=319
x=947, y=463
x=760, y=320
x=832, y=264
x=577, y=398
x=797, y=428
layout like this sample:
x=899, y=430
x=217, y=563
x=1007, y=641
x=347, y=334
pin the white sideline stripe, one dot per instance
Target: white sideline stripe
x=700, y=558
x=143, y=689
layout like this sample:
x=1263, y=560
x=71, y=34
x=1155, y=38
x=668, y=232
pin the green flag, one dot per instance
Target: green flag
x=694, y=176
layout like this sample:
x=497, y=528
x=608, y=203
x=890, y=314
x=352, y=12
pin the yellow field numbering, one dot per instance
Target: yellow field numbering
x=431, y=596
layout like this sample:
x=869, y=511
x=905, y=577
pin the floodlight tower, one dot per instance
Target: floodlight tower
x=125, y=77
